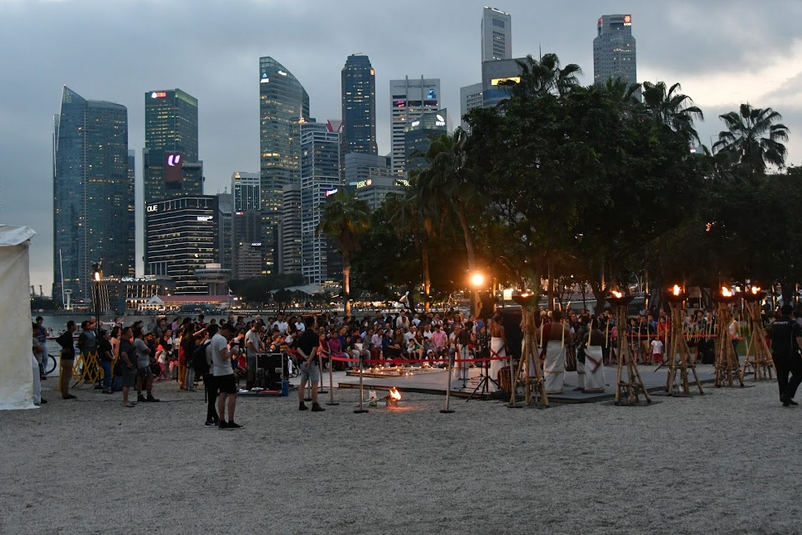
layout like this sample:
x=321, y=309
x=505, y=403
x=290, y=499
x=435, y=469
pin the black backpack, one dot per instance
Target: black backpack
x=199, y=362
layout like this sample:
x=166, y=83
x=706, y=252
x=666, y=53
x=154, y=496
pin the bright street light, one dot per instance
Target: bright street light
x=477, y=280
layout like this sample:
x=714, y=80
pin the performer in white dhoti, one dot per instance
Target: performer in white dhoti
x=498, y=346
x=554, y=336
x=594, y=361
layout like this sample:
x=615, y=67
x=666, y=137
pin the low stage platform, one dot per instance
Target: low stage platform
x=433, y=381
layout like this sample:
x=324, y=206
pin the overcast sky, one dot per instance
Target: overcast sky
x=723, y=52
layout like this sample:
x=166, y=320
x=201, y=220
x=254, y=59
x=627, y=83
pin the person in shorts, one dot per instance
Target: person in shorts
x=144, y=373
x=310, y=372
x=224, y=380
x=127, y=363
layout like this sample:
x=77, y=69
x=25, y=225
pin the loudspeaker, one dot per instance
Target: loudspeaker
x=269, y=370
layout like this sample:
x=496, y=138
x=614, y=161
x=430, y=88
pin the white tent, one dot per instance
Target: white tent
x=16, y=377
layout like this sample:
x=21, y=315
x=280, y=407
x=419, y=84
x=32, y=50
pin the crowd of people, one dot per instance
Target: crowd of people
x=222, y=354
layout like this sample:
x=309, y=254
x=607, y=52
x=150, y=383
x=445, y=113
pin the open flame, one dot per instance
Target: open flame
x=676, y=291
x=617, y=294
x=725, y=292
x=395, y=394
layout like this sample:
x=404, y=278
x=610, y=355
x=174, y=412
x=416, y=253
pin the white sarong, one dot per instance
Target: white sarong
x=554, y=367
x=497, y=350
x=594, y=370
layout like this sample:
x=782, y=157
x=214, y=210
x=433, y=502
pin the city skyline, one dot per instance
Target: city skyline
x=722, y=56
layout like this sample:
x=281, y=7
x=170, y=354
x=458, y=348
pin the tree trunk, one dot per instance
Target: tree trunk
x=427, y=281
x=550, y=275
x=347, y=283
x=466, y=231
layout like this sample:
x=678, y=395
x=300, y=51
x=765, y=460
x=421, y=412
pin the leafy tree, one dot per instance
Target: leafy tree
x=673, y=109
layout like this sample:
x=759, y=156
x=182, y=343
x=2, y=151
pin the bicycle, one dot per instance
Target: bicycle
x=49, y=364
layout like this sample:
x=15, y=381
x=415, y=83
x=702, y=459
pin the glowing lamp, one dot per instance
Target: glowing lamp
x=477, y=280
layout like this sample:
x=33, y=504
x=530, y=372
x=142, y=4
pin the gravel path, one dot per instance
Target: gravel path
x=719, y=463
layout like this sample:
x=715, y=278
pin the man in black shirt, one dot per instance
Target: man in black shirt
x=786, y=341
x=307, y=361
x=67, y=359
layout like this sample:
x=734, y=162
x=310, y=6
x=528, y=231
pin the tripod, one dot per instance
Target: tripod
x=484, y=381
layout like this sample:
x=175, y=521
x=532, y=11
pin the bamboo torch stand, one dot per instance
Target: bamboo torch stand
x=679, y=355
x=523, y=376
x=758, y=355
x=630, y=388
x=726, y=361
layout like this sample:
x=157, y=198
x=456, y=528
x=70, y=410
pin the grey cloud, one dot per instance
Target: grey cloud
x=118, y=50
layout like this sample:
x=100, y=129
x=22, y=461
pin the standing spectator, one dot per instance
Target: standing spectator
x=105, y=358
x=310, y=372
x=128, y=364
x=224, y=378
x=786, y=342
x=41, y=337
x=67, y=359
x=254, y=345
x=144, y=373
x=36, y=367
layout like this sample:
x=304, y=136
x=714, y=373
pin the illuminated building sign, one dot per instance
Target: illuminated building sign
x=402, y=182
x=158, y=94
x=153, y=208
x=205, y=218
x=364, y=183
x=627, y=20
x=256, y=244
x=172, y=170
x=282, y=73
x=331, y=192
x=496, y=81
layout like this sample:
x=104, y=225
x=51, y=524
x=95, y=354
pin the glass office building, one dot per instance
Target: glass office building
x=93, y=195
x=359, y=106
x=283, y=106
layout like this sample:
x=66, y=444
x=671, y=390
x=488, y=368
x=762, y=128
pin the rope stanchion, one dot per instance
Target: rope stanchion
x=361, y=409
x=447, y=409
x=331, y=382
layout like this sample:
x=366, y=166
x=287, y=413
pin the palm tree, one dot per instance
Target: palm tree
x=408, y=216
x=545, y=76
x=345, y=218
x=753, y=139
x=448, y=185
x=671, y=108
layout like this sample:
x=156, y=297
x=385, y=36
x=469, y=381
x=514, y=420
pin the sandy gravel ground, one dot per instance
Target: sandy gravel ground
x=723, y=463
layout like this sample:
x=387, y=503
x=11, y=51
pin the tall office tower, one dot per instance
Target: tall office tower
x=360, y=167
x=320, y=178
x=170, y=156
x=496, y=34
x=247, y=229
x=494, y=74
x=470, y=97
x=419, y=134
x=614, y=50
x=182, y=235
x=246, y=190
x=283, y=106
x=359, y=106
x=93, y=194
x=289, y=230
x=409, y=99
x=225, y=230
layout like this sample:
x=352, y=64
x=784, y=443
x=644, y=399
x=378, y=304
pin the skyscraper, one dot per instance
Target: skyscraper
x=470, y=97
x=182, y=236
x=359, y=106
x=496, y=34
x=419, y=134
x=320, y=178
x=409, y=99
x=247, y=229
x=171, y=146
x=283, y=106
x=614, y=50
x=93, y=194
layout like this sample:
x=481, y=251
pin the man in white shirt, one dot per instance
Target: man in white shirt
x=299, y=324
x=281, y=324
x=254, y=344
x=224, y=378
